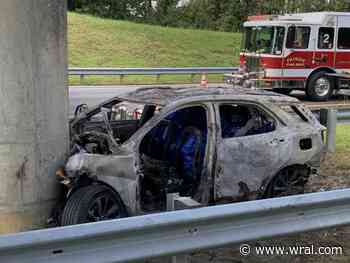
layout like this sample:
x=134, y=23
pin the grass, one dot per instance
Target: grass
x=343, y=138
x=338, y=163
x=97, y=42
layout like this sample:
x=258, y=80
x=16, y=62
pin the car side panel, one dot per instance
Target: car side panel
x=245, y=162
x=118, y=171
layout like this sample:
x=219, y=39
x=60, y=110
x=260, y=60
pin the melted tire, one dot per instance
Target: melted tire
x=77, y=206
x=292, y=179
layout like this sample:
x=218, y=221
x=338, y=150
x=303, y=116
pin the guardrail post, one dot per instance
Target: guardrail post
x=170, y=201
x=329, y=118
x=175, y=202
x=170, y=206
x=331, y=130
x=81, y=77
x=192, y=77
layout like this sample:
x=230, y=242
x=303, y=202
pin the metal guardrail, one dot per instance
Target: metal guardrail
x=343, y=116
x=157, y=235
x=149, y=71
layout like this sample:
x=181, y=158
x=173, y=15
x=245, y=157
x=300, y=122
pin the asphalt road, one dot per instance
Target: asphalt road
x=94, y=95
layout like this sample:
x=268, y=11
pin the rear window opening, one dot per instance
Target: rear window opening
x=243, y=120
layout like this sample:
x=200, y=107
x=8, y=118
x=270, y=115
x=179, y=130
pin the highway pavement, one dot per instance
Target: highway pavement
x=94, y=95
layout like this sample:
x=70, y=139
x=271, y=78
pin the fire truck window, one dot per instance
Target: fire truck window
x=264, y=39
x=325, y=38
x=344, y=38
x=298, y=37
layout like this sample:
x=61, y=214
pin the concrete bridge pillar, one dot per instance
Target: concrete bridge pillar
x=33, y=109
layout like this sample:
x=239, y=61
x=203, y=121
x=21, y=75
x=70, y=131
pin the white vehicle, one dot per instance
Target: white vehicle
x=306, y=51
x=217, y=145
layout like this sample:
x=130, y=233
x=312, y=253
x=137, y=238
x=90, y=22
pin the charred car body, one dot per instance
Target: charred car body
x=216, y=145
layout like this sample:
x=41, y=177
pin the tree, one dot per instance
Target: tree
x=165, y=9
x=205, y=14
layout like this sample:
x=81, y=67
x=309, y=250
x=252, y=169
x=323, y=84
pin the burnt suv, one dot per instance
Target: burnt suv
x=216, y=145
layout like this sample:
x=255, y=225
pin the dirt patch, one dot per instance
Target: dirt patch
x=335, y=174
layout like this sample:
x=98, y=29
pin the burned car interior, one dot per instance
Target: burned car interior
x=172, y=153
x=172, y=156
x=117, y=120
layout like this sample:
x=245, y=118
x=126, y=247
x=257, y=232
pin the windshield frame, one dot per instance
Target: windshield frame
x=250, y=35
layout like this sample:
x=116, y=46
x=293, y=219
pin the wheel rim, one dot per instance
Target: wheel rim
x=104, y=207
x=322, y=87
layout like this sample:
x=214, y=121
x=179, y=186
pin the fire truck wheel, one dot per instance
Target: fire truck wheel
x=320, y=87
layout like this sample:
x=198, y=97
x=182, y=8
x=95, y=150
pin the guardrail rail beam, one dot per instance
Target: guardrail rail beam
x=179, y=232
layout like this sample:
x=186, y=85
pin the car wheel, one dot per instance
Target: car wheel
x=320, y=87
x=283, y=91
x=92, y=203
x=289, y=181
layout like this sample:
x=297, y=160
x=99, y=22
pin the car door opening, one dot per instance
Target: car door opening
x=172, y=156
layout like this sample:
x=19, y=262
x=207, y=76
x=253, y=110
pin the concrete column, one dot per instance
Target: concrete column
x=33, y=109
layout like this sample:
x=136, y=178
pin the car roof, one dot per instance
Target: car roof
x=166, y=95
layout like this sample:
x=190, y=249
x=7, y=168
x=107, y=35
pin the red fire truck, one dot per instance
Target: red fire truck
x=306, y=51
